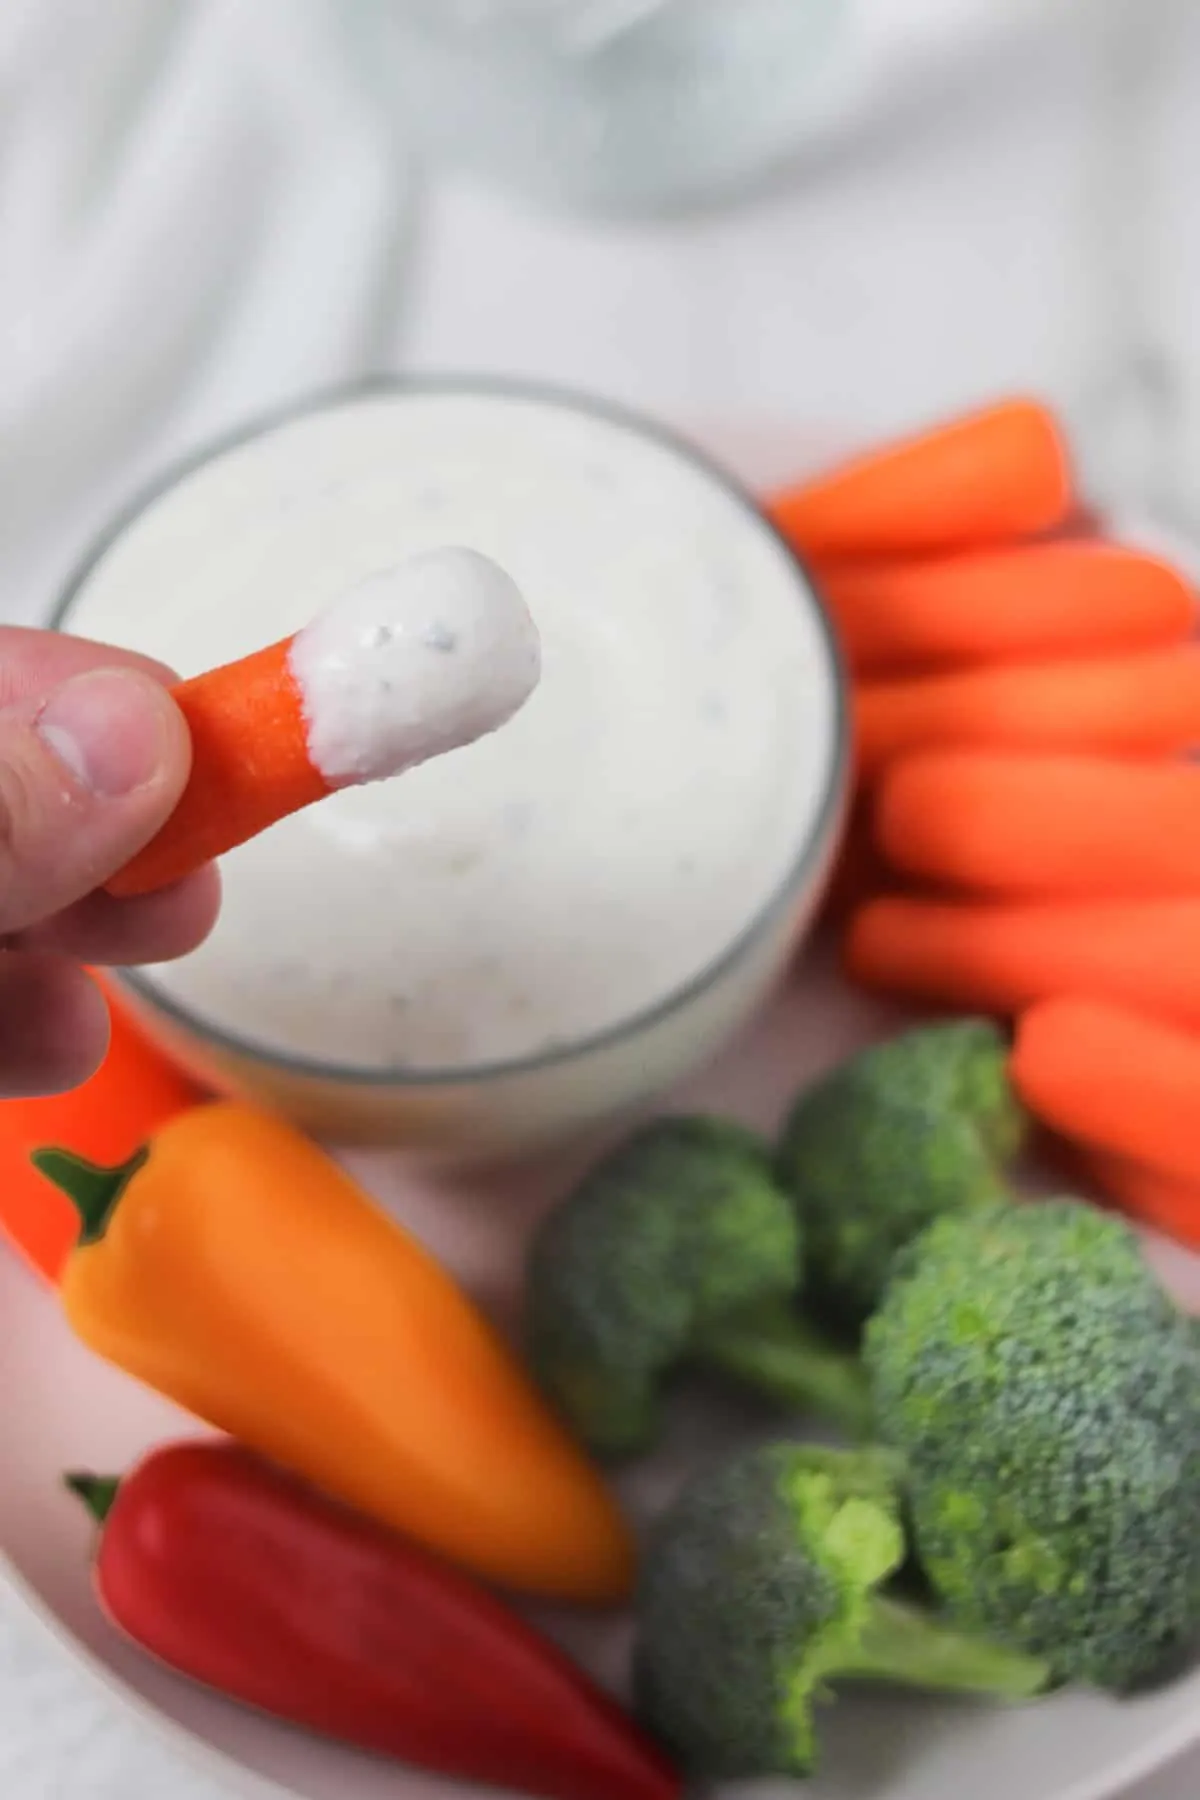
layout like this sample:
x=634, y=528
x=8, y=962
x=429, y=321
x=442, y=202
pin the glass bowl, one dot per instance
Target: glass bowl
x=499, y=1111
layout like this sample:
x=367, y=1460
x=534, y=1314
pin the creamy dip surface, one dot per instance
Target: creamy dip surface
x=585, y=861
x=416, y=660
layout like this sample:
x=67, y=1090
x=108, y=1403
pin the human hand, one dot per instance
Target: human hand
x=94, y=754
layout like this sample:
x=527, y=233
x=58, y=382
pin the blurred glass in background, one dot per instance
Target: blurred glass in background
x=607, y=104
x=209, y=207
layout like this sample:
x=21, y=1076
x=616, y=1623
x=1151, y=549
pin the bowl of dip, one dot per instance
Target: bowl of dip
x=533, y=935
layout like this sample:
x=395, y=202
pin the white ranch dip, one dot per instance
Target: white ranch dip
x=591, y=857
x=418, y=659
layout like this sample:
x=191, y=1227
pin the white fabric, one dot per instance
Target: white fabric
x=204, y=212
x=199, y=218
x=964, y=223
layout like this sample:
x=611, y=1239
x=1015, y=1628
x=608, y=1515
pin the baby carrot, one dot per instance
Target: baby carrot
x=989, y=477
x=1112, y=1080
x=1032, y=603
x=250, y=768
x=410, y=663
x=976, y=957
x=1149, y=1197
x=1140, y=705
x=1040, y=826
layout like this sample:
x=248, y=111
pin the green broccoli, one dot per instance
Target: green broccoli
x=1045, y=1393
x=923, y=1125
x=782, y=1356
x=679, y=1247
x=760, y=1588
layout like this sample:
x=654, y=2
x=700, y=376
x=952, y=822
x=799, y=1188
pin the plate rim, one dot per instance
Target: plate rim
x=243, y=1783
x=247, y=1784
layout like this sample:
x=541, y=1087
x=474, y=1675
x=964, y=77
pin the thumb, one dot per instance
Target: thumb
x=87, y=776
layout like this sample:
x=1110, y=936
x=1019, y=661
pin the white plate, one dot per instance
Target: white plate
x=61, y=1408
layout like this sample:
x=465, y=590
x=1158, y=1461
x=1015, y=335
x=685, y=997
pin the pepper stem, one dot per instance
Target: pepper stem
x=93, y=1191
x=97, y=1492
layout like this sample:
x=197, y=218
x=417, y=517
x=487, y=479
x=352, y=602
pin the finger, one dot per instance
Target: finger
x=53, y=1026
x=32, y=662
x=152, y=928
x=87, y=776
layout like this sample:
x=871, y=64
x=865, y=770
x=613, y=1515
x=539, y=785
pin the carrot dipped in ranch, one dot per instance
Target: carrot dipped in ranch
x=414, y=661
x=235, y=1268
x=990, y=477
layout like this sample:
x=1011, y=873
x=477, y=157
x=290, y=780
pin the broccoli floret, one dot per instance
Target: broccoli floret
x=923, y=1125
x=760, y=1588
x=1046, y=1395
x=679, y=1227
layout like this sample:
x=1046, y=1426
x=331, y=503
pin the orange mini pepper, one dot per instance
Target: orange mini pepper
x=234, y=1268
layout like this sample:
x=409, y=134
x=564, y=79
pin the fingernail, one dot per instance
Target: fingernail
x=107, y=729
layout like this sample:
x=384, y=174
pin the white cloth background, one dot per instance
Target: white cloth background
x=204, y=212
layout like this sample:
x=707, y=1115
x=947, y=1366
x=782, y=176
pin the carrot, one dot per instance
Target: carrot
x=134, y=1091
x=1033, y=603
x=1149, y=1197
x=989, y=477
x=250, y=768
x=1113, y=1080
x=1140, y=705
x=1000, y=958
x=1040, y=827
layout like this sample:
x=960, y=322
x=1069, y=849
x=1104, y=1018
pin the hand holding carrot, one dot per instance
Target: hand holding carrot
x=93, y=757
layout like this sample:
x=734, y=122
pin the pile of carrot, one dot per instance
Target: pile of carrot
x=1025, y=838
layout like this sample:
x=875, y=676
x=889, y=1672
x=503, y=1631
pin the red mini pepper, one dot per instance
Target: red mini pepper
x=240, y=1576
